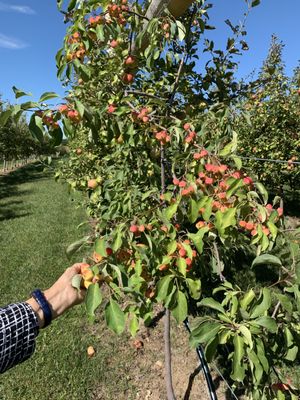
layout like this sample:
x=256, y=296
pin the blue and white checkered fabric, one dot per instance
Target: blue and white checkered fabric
x=18, y=331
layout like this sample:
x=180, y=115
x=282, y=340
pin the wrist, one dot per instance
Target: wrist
x=56, y=302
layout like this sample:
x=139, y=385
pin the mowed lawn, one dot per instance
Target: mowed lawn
x=38, y=220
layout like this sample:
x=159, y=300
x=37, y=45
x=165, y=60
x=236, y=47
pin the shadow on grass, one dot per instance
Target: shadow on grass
x=10, y=188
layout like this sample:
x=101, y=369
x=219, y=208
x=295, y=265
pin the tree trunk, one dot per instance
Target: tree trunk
x=168, y=357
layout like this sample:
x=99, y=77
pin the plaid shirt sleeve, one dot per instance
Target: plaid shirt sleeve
x=18, y=330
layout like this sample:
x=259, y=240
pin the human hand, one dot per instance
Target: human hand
x=61, y=295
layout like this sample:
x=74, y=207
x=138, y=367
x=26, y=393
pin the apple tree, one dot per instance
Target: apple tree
x=175, y=216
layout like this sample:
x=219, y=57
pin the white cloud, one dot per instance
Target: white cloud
x=16, y=8
x=11, y=43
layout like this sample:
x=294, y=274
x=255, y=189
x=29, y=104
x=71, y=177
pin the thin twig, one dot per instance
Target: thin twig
x=139, y=93
x=219, y=264
x=276, y=309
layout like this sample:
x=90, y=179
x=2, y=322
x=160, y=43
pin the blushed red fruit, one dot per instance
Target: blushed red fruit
x=92, y=184
x=163, y=267
x=138, y=344
x=73, y=115
x=197, y=156
x=111, y=108
x=142, y=228
x=182, y=252
x=134, y=229
x=176, y=181
x=182, y=184
x=97, y=257
x=186, y=126
x=209, y=181
x=78, y=151
x=243, y=224
x=266, y=230
x=90, y=351
x=109, y=251
x=249, y=226
x=130, y=61
x=248, y=180
x=280, y=211
x=128, y=78
x=200, y=224
x=188, y=261
x=63, y=109
x=114, y=44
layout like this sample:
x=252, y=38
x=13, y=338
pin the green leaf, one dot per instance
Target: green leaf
x=181, y=264
x=4, y=116
x=285, y=301
x=164, y=286
x=247, y=335
x=93, y=299
x=258, y=373
x=20, y=93
x=273, y=229
x=71, y=5
x=133, y=325
x=56, y=136
x=172, y=246
x=100, y=247
x=225, y=219
x=76, y=281
x=193, y=211
x=264, y=305
x=211, y=348
x=72, y=248
x=79, y=107
x=230, y=147
x=208, y=209
x=204, y=332
x=255, y=3
x=247, y=299
x=115, y=317
x=238, y=367
x=234, y=186
x=211, y=303
x=36, y=127
x=181, y=30
x=170, y=211
x=266, y=259
x=262, y=190
x=181, y=310
x=197, y=238
x=291, y=354
x=267, y=322
x=117, y=242
x=47, y=96
x=194, y=287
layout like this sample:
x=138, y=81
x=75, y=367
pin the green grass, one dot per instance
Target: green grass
x=37, y=222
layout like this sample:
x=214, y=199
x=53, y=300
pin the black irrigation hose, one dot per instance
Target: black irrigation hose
x=270, y=160
x=204, y=365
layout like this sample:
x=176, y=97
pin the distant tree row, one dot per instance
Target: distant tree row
x=16, y=141
x=271, y=129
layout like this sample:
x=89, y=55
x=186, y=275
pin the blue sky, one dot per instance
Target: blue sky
x=31, y=31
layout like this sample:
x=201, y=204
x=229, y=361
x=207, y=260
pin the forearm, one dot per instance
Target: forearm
x=56, y=302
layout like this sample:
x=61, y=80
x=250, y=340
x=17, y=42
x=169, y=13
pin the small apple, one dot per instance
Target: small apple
x=92, y=184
